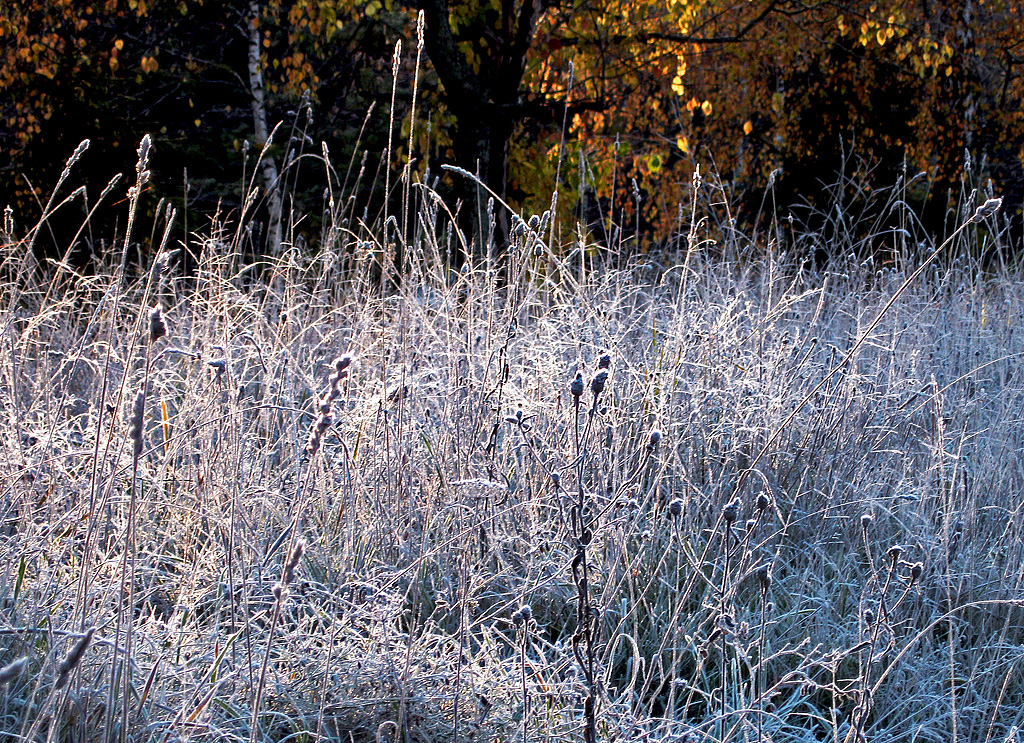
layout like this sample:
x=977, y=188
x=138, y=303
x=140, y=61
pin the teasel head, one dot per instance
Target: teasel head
x=598, y=383
x=653, y=439
x=675, y=508
x=764, y=577
x=763, y=503
x=865, y=521
x=894, y=553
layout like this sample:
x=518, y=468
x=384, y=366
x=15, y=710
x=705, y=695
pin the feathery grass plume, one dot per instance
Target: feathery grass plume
x=74, y=657
x=135, y=430
x=13, y=670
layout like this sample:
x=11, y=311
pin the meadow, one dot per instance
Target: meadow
x=712, y=492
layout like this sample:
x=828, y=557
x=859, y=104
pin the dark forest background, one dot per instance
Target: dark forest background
x=792, y=106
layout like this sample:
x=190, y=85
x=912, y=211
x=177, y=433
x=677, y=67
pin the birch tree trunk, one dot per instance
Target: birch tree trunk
x=259, y=115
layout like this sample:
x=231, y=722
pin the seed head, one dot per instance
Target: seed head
x=986, y=210
x=577, y=386
x=731, y=511
x=654, y=439
x=866, y=521
x=13, y=670
x=598, y=383
x=157, y=326
x=675, y=508
x=915, y=572
x=135, y=429
x=763, y=503
x=605, y=362
x=894, y=553
x=764, y=577
x=288, y=572
x=73, y=659
x=524, y=615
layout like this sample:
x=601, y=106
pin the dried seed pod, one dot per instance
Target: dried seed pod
x=598, y=383
x=675, y=508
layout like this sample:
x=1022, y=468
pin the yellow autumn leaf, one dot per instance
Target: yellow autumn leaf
x=706, y=108
x=748, y=127
x=683, y=144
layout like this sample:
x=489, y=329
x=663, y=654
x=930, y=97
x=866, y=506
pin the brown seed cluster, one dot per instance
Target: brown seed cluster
x=325, y=417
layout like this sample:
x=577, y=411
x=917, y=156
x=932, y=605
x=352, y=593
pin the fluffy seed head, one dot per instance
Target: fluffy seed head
x=577, y=386
x=986, y=210
x=13, y=670
x=74, y=657
x=157, y=326
x=288, y=572
x=135, y=429
x=731, y=511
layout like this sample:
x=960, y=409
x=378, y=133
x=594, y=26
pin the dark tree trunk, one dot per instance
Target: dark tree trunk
x=484, y=104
